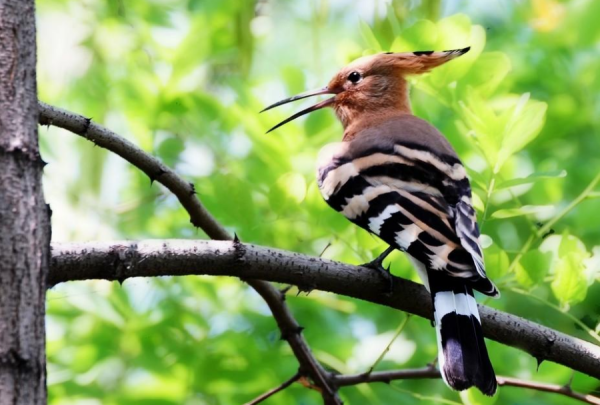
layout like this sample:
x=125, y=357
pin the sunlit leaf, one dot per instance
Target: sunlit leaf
x=475, y=397
x=496, y=262
x=524, y=210
x=488, y=72
x=170, y=149
x=532, y=178
x=421, y=36
x=532, y=268
x=570, y=284
x=289, y=189
x=294, y=79
x=369, y=37
x=525, y=121
x=477, y=202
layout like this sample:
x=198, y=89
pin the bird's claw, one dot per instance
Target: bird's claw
x=377, y=264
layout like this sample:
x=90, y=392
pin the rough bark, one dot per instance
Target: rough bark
x=24, y=224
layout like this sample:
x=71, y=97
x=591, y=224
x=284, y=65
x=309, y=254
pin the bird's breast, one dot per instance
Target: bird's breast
x=333, y=170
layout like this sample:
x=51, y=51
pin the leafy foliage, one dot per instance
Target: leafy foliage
x=185, y=79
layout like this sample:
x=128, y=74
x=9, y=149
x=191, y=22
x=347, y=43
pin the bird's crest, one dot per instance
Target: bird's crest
x=406, y=62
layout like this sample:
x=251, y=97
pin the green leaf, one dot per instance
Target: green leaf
x=488, y=72
x=421, y=36
x=569, y=267
x=474, y=397
x=369, y=37
x=477, y=202
x=478, y=178
x=170, y=149
x=533, y=267
x=532, y=178
x=524, y=210
x=525, y=121
x=482, y=124
x=496, y=262
x=457, y=32
x=318, y=121
x=290, y=189
x=570, y=284
x=504, y=128
x=393, y=20
x=592, y=264
x=294, y=79
x=570, y=244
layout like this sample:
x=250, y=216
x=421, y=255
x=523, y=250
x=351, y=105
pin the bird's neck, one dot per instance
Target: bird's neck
x=389, y=103
x=357, y=127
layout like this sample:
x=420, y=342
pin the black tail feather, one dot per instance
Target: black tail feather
x=464, y=360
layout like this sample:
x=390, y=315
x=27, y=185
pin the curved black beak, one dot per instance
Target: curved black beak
x=300, y=96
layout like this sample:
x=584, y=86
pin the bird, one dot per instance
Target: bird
x=395, y=175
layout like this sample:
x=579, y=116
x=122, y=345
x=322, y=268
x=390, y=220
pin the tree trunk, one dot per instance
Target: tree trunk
x=24, y=217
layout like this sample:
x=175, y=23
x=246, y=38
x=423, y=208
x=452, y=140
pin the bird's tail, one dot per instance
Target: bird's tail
x=463, y=358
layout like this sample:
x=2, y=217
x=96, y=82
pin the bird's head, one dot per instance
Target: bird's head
x=373, y=84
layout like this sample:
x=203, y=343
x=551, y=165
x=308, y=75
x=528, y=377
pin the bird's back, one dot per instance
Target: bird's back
x=401, y=128
x=400, y=179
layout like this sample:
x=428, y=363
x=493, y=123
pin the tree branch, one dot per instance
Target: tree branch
x=121, y=260
x=387, y=376
x=154, y=168
x=199, y=217
x=432, y=372
x=275, y=390
x=556, y=389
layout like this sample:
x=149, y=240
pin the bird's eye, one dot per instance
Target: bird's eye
x=355, y=77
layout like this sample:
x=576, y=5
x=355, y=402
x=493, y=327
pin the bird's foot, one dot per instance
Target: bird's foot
x=377, y=264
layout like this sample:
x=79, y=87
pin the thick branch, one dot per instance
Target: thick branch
x=199, y=217
x=121, y=260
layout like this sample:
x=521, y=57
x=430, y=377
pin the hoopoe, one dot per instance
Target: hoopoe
x=397, y=176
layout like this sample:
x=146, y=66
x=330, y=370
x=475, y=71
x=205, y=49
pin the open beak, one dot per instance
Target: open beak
x=300, y=96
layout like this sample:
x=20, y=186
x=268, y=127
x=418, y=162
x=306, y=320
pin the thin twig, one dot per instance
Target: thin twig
x=430, y=372
x=387, y=348
x=490, y=191
x=590, y=188
x=275, y=390
x=566, y=314
x=199, y=217
x=387, y=376
x=544, y=229
x=553, y=388
x=292, y=332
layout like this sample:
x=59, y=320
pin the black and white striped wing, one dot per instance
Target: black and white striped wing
x=412, y=199
x=468, y=231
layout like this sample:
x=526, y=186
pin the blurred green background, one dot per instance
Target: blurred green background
x=185, y=79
